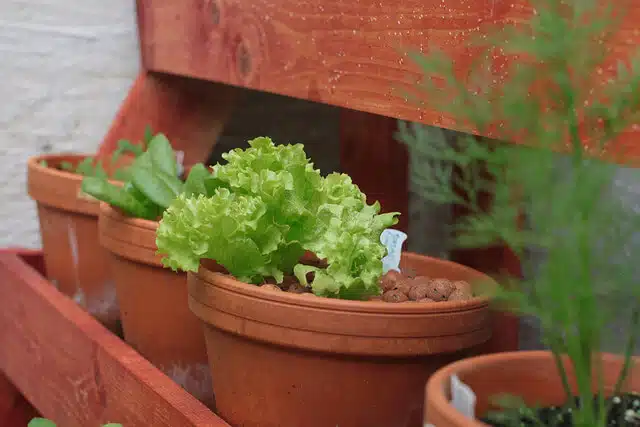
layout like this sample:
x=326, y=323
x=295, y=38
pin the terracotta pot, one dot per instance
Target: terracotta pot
x=75, y=261
x=153, y=303
x=531, y=375
x=281, y=359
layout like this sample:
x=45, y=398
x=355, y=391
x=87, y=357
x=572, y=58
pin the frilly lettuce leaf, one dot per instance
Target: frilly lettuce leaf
x=269, y=206
x=235, y=230
x=349, y=241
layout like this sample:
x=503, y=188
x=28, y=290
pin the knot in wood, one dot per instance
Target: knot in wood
x=243, y=60
x=214, y=12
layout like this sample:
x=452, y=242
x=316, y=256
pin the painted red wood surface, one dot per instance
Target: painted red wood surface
x=376, y=162
x=15, y=410
x=191, y=113
x=349, y=54
x=73, y=370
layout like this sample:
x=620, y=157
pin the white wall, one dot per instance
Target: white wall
x=65, y=66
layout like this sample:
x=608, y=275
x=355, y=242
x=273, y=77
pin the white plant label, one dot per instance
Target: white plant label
x=180, y=162
x=463, y=398
x=393, y=240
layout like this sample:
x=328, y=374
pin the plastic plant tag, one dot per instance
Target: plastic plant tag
x=393, y=240
x=463, y=398
x=180, y=161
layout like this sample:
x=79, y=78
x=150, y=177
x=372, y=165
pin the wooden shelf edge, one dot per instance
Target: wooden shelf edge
x=75, y=371
x=350, y=55
x=191, y=113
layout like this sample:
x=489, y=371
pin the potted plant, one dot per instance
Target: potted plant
x=74, y=260
x=550, y=99
x=286, y=273
x=153, y=301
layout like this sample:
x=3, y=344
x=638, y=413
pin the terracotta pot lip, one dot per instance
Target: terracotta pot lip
x=116, y=214
x=34, y=161
x=231, y=284
x=56, y=188
x=438, y=381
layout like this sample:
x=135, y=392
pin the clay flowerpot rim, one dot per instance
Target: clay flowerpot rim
x=231, y=284
x=134, y=222
x=439, y=381
x=58, y=188
x=131, y=238
x=336, y=326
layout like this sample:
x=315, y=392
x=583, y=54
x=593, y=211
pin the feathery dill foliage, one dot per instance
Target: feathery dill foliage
x=549, y=95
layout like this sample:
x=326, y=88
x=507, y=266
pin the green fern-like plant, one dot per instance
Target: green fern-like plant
x=549, y=98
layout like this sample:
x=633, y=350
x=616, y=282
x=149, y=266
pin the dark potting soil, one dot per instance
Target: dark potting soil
x=624, y=412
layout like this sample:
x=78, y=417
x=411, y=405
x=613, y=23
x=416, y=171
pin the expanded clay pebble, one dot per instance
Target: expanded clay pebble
x=398, y=287
x=395, y=295
x=440, y=289
x=270, y=287
x=404, y=286
x=463, y=286
x=297, y=288
x=419, y=288
x=459, y=295
x=390, y=279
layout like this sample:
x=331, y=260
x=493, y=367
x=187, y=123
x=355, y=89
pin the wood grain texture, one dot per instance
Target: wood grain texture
x=349, y=54
x=76, y=372
x=191, y=113
x=376, y=162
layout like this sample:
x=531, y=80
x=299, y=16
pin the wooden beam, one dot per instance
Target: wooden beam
x=76, y=372
x=376, y=162
x=15, y=410
x=349, y=54
x=192, y=113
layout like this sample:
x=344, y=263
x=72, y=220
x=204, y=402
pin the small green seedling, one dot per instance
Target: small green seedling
x=89, y=166
x=125, y=146
x=151, y=184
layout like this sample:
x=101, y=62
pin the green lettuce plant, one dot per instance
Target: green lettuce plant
x=151, y=184
x=550, y=98
x=264, y=208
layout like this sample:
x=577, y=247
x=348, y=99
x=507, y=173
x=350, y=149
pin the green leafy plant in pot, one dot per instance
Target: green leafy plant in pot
x=550, y=99
x=76, y=264
x=286, y=272
x=153, y=300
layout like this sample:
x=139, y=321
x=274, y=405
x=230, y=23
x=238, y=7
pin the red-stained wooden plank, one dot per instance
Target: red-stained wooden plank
x=32, y=257
x=349, y=54
x=376, y=162
x=15, y=410
x=192, y=113
x=76, y=372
